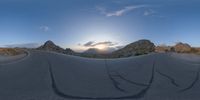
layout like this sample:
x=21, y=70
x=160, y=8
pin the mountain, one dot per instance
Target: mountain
x=136, y=48
x=50, y=46
x=92, y=51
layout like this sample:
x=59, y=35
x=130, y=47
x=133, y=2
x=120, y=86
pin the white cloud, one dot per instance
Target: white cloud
x=88, y=44
x=152, y=13
x=149, y=12
x=105, y=43
x=121, y=11
x=44, y=28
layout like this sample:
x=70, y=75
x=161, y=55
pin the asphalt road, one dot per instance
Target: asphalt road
x=52, y=76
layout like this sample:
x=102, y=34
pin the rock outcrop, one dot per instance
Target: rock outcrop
x=50, y=46
x=136, y=48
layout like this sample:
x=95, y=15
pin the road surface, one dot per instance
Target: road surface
x=52, y=76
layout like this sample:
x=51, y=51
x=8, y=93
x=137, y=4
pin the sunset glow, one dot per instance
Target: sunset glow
x=101, y=47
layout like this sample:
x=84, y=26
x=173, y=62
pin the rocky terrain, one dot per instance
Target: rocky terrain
x=136, y=48
x=50, y=46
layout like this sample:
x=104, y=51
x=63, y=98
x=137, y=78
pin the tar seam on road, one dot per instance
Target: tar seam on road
x=63, y=95
x=115, y=83
x=193, y=83
x=132, y=82
x=168, y=77
x=121, y=77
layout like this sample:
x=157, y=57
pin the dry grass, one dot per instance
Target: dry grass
x=10, y=51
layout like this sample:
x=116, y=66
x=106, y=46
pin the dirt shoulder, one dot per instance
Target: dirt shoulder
x=8, y=55
x=11, y=51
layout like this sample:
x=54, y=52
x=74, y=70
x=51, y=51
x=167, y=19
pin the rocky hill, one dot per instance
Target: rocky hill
x=136, y=48
x=50, y=46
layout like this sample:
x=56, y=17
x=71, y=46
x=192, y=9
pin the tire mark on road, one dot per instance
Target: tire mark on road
x=193, y=83
x=115, y=83
x=132, y=82
x=168, y=77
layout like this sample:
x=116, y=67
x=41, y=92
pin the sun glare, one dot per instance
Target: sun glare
x=101, y=47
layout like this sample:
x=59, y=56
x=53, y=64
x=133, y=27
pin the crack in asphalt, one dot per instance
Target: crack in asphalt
x=168, y=77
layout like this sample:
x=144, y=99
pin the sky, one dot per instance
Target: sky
x=83, y=24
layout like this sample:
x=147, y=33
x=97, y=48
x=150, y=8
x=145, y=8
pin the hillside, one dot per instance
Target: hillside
x=50, y=46
x=139, y=47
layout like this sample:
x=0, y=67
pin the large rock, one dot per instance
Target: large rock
x=182, y=48
x=50, y=46
x=137, y=48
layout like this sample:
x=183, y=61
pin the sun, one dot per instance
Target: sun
x=100, y=47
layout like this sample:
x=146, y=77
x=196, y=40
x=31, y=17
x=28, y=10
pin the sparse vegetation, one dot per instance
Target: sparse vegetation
x=11, y=51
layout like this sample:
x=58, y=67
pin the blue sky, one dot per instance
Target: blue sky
x=74, y=23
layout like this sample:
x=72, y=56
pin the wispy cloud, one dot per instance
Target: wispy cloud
x=149, y=12
x=121, y=11
x=153, y=13
x=105, y=43
x=44, y=28
x=88, y=44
